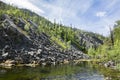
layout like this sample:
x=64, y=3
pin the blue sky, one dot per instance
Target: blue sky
x=91, y=15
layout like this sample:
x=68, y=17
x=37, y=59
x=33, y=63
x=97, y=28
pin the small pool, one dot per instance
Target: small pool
x=81, y=71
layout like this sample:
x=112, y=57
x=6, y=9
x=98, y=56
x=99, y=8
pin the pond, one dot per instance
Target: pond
x=81, y=71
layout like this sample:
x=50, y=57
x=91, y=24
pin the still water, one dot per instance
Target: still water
x=81, y=71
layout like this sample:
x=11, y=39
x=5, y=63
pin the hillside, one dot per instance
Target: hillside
x=26, y=37
x=56, y=31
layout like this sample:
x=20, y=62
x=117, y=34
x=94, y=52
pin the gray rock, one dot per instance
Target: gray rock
x=5, y=54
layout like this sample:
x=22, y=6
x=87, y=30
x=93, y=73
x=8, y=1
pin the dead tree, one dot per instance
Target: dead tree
x=111, y=36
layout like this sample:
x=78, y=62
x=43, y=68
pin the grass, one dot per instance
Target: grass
x=59, y=42
x=118, y=66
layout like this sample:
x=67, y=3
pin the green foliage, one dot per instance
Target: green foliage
x=56, y=40
x=117, y=31
x=108, y=51
x=27, y=27
x=115, y=52
x=91, y=52
x=118, y=66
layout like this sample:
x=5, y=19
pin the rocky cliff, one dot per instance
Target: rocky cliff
x=23, y=48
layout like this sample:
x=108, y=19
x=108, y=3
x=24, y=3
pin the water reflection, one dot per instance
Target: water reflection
x=81, y=71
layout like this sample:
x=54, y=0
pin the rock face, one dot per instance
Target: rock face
x=87, y=41
x=12, y=35
x=23, y=48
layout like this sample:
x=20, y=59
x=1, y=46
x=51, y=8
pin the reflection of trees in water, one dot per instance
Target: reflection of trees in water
x=60, y=72
x=109, y=74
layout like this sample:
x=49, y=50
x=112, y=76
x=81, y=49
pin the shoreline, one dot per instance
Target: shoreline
x=11, y=64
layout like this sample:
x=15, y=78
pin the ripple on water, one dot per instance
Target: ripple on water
x=64, y=72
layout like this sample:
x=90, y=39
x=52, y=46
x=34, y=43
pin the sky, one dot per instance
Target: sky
x=91, y=15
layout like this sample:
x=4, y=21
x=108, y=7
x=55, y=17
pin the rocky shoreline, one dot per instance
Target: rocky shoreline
x=44, y=56
x=41, y=53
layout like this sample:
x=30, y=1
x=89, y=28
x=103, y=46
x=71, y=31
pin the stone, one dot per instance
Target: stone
x=5, y=54
x=9, y=62
x=109, y=64
x=31, y=53
x=21, y=23
x=39, y=51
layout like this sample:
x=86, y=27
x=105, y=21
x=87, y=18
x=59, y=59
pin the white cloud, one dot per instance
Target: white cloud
x=101, y=14
x=24, y=4
x=68, y=11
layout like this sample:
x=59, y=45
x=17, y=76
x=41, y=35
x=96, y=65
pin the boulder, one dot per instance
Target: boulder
x=109, y=64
